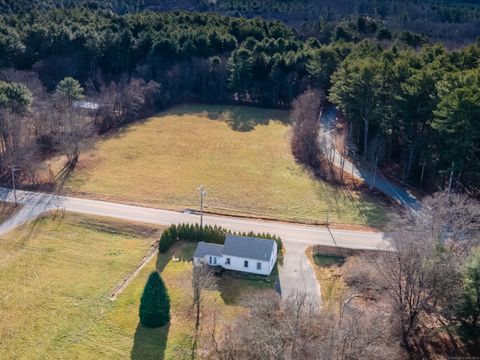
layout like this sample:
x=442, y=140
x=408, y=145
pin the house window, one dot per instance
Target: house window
x=210, y=261
x=245, y=263
x=227, y=261
x=259, y=266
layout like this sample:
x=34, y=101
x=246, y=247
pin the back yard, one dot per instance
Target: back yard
x=241, y=154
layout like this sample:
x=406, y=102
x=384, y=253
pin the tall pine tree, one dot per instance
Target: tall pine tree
x=155, y=303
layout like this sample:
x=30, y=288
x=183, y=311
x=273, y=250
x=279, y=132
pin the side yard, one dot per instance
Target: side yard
x=327, y=268
x=56, y=274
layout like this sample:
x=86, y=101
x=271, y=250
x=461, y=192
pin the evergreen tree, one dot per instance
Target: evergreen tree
x=155, y=303
x=69, y=90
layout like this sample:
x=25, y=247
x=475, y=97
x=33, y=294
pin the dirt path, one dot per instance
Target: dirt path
x=126, y=281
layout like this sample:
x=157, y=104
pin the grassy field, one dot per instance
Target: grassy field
x=56, y=275
x=241, y=154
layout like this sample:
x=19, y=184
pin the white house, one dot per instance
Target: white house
x=239, y=253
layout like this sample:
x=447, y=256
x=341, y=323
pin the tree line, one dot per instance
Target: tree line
x=416, y=109
x=455, y=22
x=409, y=105
x=210, y=234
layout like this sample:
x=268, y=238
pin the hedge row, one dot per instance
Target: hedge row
x=211, y=234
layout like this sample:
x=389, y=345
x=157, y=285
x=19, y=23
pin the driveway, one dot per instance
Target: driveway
x=296, y=274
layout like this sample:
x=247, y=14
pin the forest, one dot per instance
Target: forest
x=453, y=22
x=408, y=102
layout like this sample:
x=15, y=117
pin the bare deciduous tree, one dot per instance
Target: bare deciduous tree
x=124, y=101
x=297, y=329
x=305, y=117
x=74, y=132
x=452, y=219
x=202, y=278
x=421, y=275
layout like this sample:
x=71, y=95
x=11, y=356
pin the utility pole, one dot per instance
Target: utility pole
x=14, y=169
x=202, y=193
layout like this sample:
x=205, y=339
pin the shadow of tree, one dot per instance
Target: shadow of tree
x=64, y=175
x=149, y=343
x=239, y=118
x=182, y=250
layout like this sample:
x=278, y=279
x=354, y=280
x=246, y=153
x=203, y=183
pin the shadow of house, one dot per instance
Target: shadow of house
x=234, y=285
x=149, y=343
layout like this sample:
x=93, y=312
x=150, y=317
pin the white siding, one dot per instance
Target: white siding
x=206, y=260
x=273, y=258
x=237, y=263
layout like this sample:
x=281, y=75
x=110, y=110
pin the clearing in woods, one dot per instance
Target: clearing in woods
x=242, y=156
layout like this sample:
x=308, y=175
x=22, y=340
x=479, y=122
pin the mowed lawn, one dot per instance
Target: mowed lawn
x=221, y=305
x=57, y=273
x=241, y=154
x=55, y=278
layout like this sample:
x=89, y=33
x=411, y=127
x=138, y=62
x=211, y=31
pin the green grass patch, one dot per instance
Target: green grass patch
x=241, y=154
x=327, y=271
x=324, y=260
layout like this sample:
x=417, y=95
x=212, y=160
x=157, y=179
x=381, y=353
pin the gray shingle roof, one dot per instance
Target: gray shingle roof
x=204, y=249
x=248, y=247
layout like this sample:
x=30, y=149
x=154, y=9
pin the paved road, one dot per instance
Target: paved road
x=295, y=274
x=378, y=181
